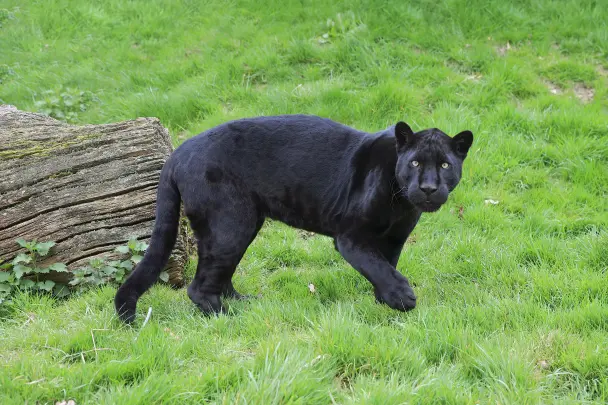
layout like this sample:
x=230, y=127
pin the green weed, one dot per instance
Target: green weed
x=23, y=272
x=64, y=104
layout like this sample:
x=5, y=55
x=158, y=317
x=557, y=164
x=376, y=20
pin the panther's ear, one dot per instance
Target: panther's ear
x=462, y=142
x=404, y=134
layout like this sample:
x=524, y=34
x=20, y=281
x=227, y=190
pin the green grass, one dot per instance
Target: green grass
x=513, y=297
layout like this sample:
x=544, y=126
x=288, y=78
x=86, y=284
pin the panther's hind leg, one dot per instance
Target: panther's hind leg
x=223, y=234
x=228, y=291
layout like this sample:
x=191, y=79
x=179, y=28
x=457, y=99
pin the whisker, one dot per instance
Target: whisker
x=396, y=193
x=399, y=191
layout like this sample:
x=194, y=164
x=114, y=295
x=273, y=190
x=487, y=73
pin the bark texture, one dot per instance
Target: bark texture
x=88, y=188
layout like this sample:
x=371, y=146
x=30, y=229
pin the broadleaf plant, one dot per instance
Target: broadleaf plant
x=22, y=273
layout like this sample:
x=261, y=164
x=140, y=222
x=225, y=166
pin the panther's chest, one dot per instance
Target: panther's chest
x=393, y=223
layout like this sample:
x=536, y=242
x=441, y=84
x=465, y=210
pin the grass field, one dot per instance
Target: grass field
x=512, y=297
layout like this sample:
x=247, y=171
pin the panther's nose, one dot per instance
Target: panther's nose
x=428, y=188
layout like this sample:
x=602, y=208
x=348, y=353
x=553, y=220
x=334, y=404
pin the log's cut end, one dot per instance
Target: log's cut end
x=88, y=188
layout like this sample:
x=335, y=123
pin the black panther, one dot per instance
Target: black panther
x=367, y=191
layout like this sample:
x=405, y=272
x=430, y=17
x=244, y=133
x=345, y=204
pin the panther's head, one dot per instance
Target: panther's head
x=429, y=164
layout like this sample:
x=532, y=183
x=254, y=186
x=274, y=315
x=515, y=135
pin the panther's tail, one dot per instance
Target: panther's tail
x=161, y=244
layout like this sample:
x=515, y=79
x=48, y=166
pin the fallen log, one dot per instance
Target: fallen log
x=88, y=188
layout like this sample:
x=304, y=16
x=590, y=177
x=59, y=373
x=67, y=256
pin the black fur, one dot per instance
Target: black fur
x=361, y=189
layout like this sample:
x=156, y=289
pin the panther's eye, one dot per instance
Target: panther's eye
x=445, y=165
x=415, y=163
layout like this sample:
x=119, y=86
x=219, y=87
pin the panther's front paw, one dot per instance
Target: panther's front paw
x=399, y=296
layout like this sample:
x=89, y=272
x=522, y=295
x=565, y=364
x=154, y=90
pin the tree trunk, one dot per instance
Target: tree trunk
x=88, y=188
